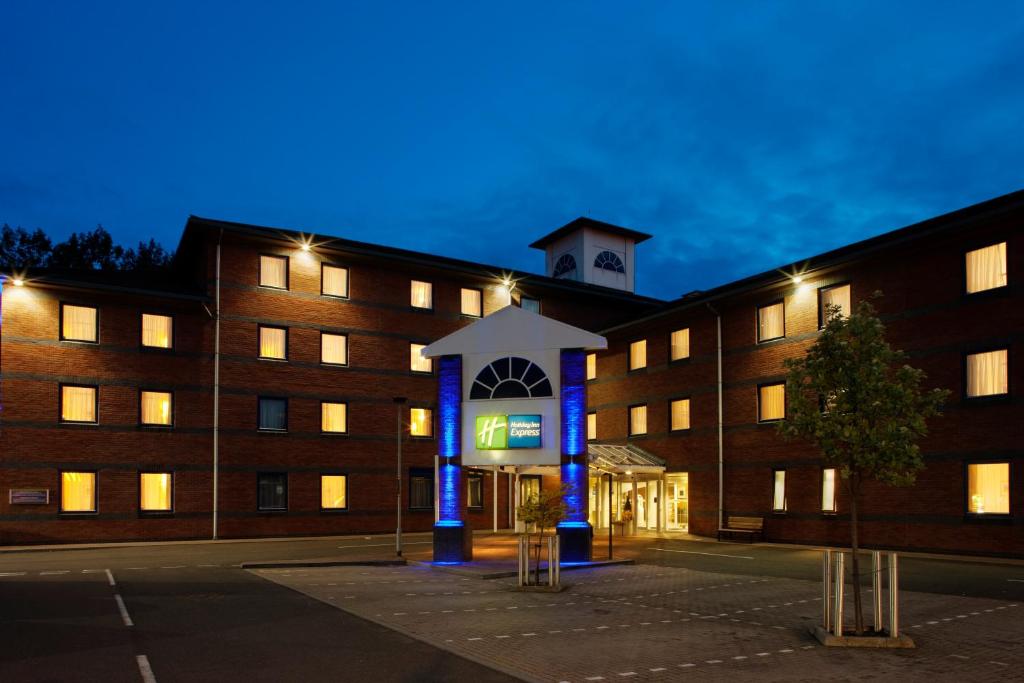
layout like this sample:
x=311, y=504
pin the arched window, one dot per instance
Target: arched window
x=511, y=377
x=609, y=260
x=565, y=266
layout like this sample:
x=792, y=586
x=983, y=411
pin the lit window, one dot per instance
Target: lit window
x=333, y=418
x=988, y=488
x=273, y=343
x=475, y=491
x=333, y=492
x=472, y=302
x=333, y=349
x=771, y=322
x=155, y=491
x=831, y=298
x=418, y=363
x=157, y=331
x=155, y=408
x=680, y=344
x=273, y=414
x=79, y=323
x=421, y=488
x=771, y=402
x=274, y=271
x=591, y=366
x=986, y=268
x=78, y=492
x=272, y=491
x=680, y=410
x=528, y=304
x=591, y=426
x=421, y=422
x=638, y=355
x=334, y=281
x=828, y=489
x=779, y=491
x=637, y=420
x=421, y=294
x=77, y=404
x=987, y=373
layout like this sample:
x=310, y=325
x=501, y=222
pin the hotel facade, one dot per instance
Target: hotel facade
x=262, y=388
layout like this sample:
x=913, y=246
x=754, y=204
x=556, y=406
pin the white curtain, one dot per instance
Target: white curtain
x=637, y=420
x=638, y=355
x=773, y=402
x=835, y=296
x=79, y=323
x=78, y=404
x=828, y=490
x=421, y=422
x=78, y=492
x=422, y=295
x=274, y=271
x=771, y=322
x=156, y=491
x=332, y=492
x=472, y=303
x=335, y=281
x=418, y=363
x=156, y=408
x=987, y=373
x=157, y=330
x=681, y=414
x=591, y=426
x=273, y=341
x=333, y=417
x=988, y=485
x=681, y=344
x=779, y=491
x=591, y=366
x=334, y=349
x=986, y=268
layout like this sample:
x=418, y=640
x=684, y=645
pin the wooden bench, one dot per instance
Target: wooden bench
x=745, y=527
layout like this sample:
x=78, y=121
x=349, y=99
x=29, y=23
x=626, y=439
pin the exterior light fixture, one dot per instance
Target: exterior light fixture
x=18, y=282
x=797, y=279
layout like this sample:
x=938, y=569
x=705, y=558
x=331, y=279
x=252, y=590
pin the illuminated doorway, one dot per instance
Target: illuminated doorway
x=677, y=499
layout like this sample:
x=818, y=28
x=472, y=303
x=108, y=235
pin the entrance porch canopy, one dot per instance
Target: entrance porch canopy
x=608, y=458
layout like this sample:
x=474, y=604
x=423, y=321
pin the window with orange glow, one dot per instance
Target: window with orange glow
x=157, y=331
x=421, y=422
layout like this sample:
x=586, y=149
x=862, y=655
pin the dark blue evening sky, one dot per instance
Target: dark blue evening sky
x=743, y=135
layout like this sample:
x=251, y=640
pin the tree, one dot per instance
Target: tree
x=542, y=511
x=91, y=250
x=94, y=250
x=854, y=398
x=21, y=249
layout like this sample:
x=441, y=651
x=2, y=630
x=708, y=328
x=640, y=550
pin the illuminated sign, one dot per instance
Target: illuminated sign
x=500, y=432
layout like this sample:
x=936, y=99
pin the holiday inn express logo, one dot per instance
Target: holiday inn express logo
x=499, y=432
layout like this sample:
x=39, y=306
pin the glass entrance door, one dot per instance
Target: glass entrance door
x=677, y=500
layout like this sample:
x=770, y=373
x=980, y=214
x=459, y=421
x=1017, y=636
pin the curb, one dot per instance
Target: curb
x=504, y=574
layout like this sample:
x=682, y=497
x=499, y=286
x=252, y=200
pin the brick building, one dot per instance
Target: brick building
x=109, y=430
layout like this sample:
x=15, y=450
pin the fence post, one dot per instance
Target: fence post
x=876, y=588
x=524, y=561
x=837, y=610
x=826, y=590
x=894, y=596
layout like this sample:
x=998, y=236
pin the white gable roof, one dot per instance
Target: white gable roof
x=514, y=329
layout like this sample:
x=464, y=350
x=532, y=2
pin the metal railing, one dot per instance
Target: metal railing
x=833, y=579
x=554, y=561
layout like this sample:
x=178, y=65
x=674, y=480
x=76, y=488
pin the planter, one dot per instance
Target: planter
x=849, y=640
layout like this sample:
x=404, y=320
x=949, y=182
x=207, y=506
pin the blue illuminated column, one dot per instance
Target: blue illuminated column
x=574, y=531
x=453, y=540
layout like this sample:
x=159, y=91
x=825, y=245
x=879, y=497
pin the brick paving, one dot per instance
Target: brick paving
x=661, y=623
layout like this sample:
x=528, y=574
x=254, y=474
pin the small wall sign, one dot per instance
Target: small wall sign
x=501, y=432
x=29, y=496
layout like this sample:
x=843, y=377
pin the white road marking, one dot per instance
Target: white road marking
x=384, y=545
x=123, y=610
x=145, y=669
x=1016, y=580
x=64, y=571
x=12, y=573
x=175, y=566
x=694, y=552
x=110, y=578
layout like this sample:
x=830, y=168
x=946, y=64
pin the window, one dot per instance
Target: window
x=828, y=489
x=771, y=322
x=986, y=268
x=472, y=302
x=830, y=297
x=988, y=488
x=421, y=295
x=273, y=343
x=591, y=366
x=334, y=281
x=157, y=331
x=528, y=304
x=475, y=491
x=421, y=489
x=273, y=271
x=510, y=377
x=637, y=420
x=155, y=408
x=771, y=402
x=273, y=414
x=638, y=355
x=680, y=414
x=679, y=344
x=609, y=260
x=418, y=363
x=591, y=426
x=565, y=267
x=155, y=494
x=778, y=490
x=421, y=422
x=333, y=417
x=77, y=404
x=987, y=373
x=79, y=323
x=333, y=492
x=333, y=349
x=272, y=491
x=78, y=492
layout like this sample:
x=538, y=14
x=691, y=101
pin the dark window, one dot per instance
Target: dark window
x=528, y=304
x=274, y=414
x=272, y=491
x=565, y=266
x=421, y=489
x=475, y=491
x=510, y=377
x=609, y=260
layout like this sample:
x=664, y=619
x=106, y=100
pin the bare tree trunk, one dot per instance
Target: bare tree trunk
x=858, y=608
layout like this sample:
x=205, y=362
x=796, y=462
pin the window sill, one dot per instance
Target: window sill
x=279, y=432
x=333, y=511
x=773, y=339
x=81, y=341
x=156, y=349
x=333, y=433
x=335, y=296
x=272, y=288
x=73, y=515
x=155, y=427
x=143, y=514
x=685, y=430
x=69, y=423
x=421, y=438
x=996, y=518
x=276, y=511
x=333, y=365
x=273, y=360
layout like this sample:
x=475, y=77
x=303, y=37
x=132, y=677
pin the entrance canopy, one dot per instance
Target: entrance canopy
x=610, y=459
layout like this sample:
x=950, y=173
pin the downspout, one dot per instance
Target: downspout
x=216, y=386
x=721, y=473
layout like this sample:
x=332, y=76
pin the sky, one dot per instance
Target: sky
x=742, y=135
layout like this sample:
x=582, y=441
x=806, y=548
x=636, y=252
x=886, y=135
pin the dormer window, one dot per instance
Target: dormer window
x=609, y=260
x=565, y=266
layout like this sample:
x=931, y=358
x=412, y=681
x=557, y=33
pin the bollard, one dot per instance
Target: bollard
x=524, y=561
x=894, y=597
x=826, y=590
x=837, y=609
x=876, y=588
x=553, y=560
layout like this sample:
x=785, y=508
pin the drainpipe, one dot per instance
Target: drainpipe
x=216, y=386
x=721, y=496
